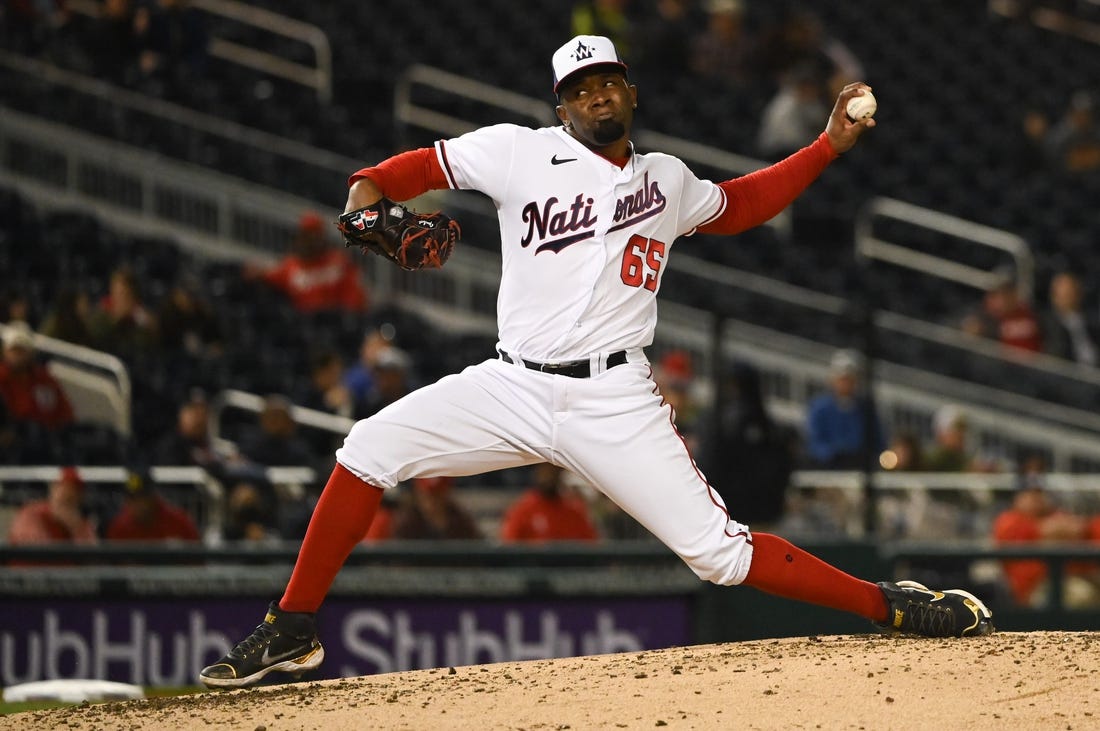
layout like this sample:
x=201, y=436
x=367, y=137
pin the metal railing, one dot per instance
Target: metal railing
x=171, y=113
x=97, y=383
x=1055, y=19
x=407, y=112
x=222, y=217
x=207, y=502
x=870, y=246
x=317, y=77
x=253, y=403
x=237, y=220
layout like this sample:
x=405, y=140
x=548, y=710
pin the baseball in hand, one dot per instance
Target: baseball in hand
x=861, y=107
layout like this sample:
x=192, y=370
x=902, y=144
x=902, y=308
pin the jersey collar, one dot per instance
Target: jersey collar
x=577, y=144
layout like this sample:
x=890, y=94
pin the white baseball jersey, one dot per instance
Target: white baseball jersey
x=584, y=248
x=584, y=243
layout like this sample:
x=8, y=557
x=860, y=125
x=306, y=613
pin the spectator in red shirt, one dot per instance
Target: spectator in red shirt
x=314, y=276
x=146, y=516
x=1007, y=318
x=547, y=512
x=30, y=393
x=1034, y=518
x=57, y=518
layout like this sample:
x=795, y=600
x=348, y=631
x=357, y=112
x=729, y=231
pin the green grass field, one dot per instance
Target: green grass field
x=8, y=708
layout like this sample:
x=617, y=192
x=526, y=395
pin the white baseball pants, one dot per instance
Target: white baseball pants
x=612, y=429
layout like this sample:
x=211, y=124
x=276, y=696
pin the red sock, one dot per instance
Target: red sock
x=780, y=568
x=344, y=512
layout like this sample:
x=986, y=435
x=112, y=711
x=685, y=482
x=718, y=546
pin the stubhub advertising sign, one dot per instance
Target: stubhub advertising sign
x=165, y=643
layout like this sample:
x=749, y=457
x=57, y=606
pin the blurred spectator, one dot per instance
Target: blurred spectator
x=187, y=323
x=325, y=390
x=314, y=275
x=172, y=41
x=1035, y=518
x=605, y=18
x=58, y=518
x=793, y=115
x=1073, y=144
x=837, y=421
x=252, y=512
x=146, y=516
x=949, y=451
x=112, y=42
x=430, y=512
x=274, y=442
x=392, y=380
x=30, y=392
x=548, y=511
x=904, y=454
x=957, y=508
x=1005, y=317
x=121, y=324
x=191, y=443
x=675, y=377
x=68, y=318
x=1068, y=332
x=800, y=38
x=663, y=46
x=359, y=377
x=747, y=457
x=719, y=52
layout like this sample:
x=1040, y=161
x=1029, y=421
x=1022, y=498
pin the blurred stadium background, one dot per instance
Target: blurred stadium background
x=186, y=173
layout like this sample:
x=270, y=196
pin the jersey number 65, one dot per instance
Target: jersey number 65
x=642, y=262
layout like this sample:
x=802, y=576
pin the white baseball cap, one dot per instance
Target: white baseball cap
x=844, y=363
x=582, y=52
x=947, y=417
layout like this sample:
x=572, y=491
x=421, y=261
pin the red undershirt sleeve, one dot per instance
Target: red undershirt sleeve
x=757, y=197
x=405, y=175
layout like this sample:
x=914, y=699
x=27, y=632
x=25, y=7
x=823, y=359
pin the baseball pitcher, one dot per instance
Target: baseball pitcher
x=587, y=224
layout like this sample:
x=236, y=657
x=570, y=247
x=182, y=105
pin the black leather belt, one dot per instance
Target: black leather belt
x=570, y=368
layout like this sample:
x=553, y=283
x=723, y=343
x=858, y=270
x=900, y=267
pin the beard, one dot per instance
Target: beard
x=607, y=131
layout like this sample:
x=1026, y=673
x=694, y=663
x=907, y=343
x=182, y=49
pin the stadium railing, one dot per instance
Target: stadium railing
x=222, y=217
x=193, y=488
x=97, y=383
x=871, y=246
x=317, y=77
x=1071, y=19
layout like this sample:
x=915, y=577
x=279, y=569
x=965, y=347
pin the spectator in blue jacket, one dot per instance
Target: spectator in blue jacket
x=837, y=420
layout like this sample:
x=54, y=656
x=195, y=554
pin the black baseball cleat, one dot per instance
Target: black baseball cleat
x=918, y=610
x=286, y=642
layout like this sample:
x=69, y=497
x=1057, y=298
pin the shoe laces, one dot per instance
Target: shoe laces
x=260, y=637
x=930, y=619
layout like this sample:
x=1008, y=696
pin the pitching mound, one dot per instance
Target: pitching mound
x=1048, y=680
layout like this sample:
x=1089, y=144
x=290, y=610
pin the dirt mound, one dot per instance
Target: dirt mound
x=1047, y=680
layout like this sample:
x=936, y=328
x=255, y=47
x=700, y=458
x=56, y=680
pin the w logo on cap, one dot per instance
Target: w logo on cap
x=582, y=52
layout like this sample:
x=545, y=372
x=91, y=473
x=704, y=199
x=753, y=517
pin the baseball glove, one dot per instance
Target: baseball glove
x=409, y=239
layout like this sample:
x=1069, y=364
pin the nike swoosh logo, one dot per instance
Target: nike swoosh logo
x=267, y=659
x=555, y=161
